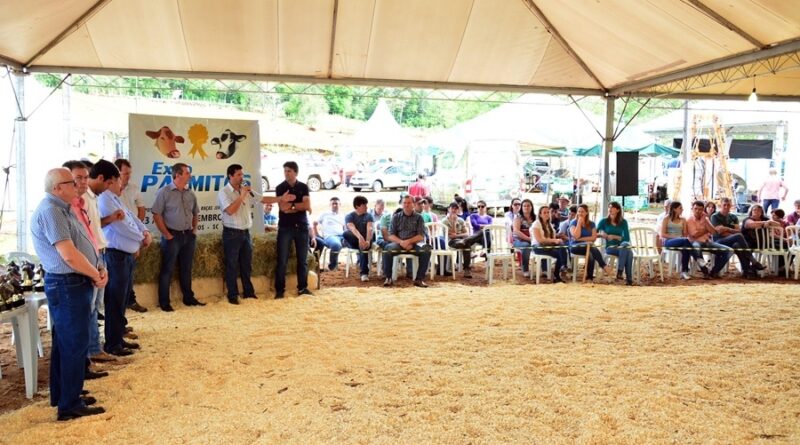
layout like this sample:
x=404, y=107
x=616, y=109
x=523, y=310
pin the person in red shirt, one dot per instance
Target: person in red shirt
x=419, y=189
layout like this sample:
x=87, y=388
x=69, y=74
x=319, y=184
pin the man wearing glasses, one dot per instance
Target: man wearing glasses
x=74, y=269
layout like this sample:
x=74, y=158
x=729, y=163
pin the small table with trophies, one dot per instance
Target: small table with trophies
x=21, y=323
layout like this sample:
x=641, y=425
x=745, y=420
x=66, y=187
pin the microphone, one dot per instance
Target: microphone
x=246, y=183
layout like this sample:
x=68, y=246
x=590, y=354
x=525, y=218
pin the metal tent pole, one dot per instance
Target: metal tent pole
x=22, y=196
x=608, y=146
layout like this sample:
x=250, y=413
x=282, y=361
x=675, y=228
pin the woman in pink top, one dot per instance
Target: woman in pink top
x=769, y=194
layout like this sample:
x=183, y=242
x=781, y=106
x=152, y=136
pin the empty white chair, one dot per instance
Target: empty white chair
x=500, y=250
x=770, y=246
x=643, y=242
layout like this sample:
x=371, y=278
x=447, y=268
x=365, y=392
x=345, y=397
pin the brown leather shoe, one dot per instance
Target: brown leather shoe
x=137, y=308
x=103, y=357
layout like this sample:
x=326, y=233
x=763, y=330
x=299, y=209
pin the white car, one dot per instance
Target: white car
x=383, y=177
x=315, y=174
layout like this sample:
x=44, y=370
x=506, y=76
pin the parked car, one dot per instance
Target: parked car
x=383, y=176
x=316, y=173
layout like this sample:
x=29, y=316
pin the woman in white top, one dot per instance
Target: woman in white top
x=545, y=242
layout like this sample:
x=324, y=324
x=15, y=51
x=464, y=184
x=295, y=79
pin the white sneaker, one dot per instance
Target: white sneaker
x=526, y=274
x=701, y=262
x=685, y=276
x=364, y=277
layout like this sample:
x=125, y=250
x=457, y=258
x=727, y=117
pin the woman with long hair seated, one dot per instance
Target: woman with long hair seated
x=583, y=234
x=614, y=229
x=675, y=235
x=521, y=233
x=544, y=242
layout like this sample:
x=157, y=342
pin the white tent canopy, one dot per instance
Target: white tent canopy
x=380, y=132
x=538, y=120
x=582, y=46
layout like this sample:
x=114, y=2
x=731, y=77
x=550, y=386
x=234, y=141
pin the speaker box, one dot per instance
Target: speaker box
x=627, y=174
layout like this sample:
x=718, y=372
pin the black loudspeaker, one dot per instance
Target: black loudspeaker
x=627, y=174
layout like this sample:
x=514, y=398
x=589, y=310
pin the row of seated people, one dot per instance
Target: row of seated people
x=718, y=231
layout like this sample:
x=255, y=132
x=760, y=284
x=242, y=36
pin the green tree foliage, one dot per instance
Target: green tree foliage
x=304, y=103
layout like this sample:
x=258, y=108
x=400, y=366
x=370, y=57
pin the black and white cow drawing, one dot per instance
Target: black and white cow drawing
x=227, y=143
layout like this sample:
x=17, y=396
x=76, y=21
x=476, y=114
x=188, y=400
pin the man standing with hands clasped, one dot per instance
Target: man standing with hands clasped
x=235, y=201
x=175, y=213
x=74, y=269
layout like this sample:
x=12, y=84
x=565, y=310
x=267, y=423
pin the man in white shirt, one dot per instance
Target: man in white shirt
x=235, y=203
x=332, y=233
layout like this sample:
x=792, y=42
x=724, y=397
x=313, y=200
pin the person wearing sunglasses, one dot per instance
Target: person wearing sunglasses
x=480, y=220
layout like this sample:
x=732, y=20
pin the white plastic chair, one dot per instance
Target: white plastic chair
x=350, y=259
x=405, y=257
x=793, y=236
x=438, y=235
x=578, y=259
x=536, y=262
x=643, y=242
x=500, y=251
x=770, y=246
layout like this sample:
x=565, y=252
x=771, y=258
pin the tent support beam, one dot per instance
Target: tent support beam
x=556, y=35
x=333, y=37
x=69, y=30
x=317, y=80
x=8, y=61
x=608, y=147
x=22, y=172
x=741, y=59
x=726, y=23
x=690, y=96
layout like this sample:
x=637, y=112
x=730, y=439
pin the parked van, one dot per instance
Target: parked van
x=488, y=170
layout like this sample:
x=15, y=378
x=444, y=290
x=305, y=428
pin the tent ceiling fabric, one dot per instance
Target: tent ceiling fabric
x=489, y=44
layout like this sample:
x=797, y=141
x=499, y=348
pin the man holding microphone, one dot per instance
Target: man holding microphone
x=235, y=201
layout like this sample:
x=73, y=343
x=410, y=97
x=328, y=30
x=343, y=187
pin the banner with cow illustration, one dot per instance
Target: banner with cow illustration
x=208, y=146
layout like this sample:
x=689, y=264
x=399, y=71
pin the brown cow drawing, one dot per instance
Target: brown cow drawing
x=165, y=141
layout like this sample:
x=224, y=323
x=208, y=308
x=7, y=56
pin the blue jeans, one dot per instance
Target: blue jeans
x=767, y=203
x=686, y=254
x=237, y=249
x=298, y=235
x=334, y=243
x=69, y=299
x=180, y=250
x=525, y=248
x=594, y=253
x=624, y=255
x=422, y=252
x=120, y=274
x=94, y=330
x=559, y=253
x=721, y=253
x=737, y=241
x=351, y=242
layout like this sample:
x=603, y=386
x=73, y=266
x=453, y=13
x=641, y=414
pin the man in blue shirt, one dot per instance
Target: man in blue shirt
x=358, y=236
x=125, y=236
x=73, y=268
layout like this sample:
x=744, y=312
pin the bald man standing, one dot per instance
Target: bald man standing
x=74, y=269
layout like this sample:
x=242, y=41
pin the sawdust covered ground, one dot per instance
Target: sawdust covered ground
x=455, y=364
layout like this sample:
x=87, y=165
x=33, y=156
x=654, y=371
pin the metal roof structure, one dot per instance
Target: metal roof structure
x=677, y=48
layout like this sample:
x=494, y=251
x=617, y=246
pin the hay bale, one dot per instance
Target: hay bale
x=208, y=258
